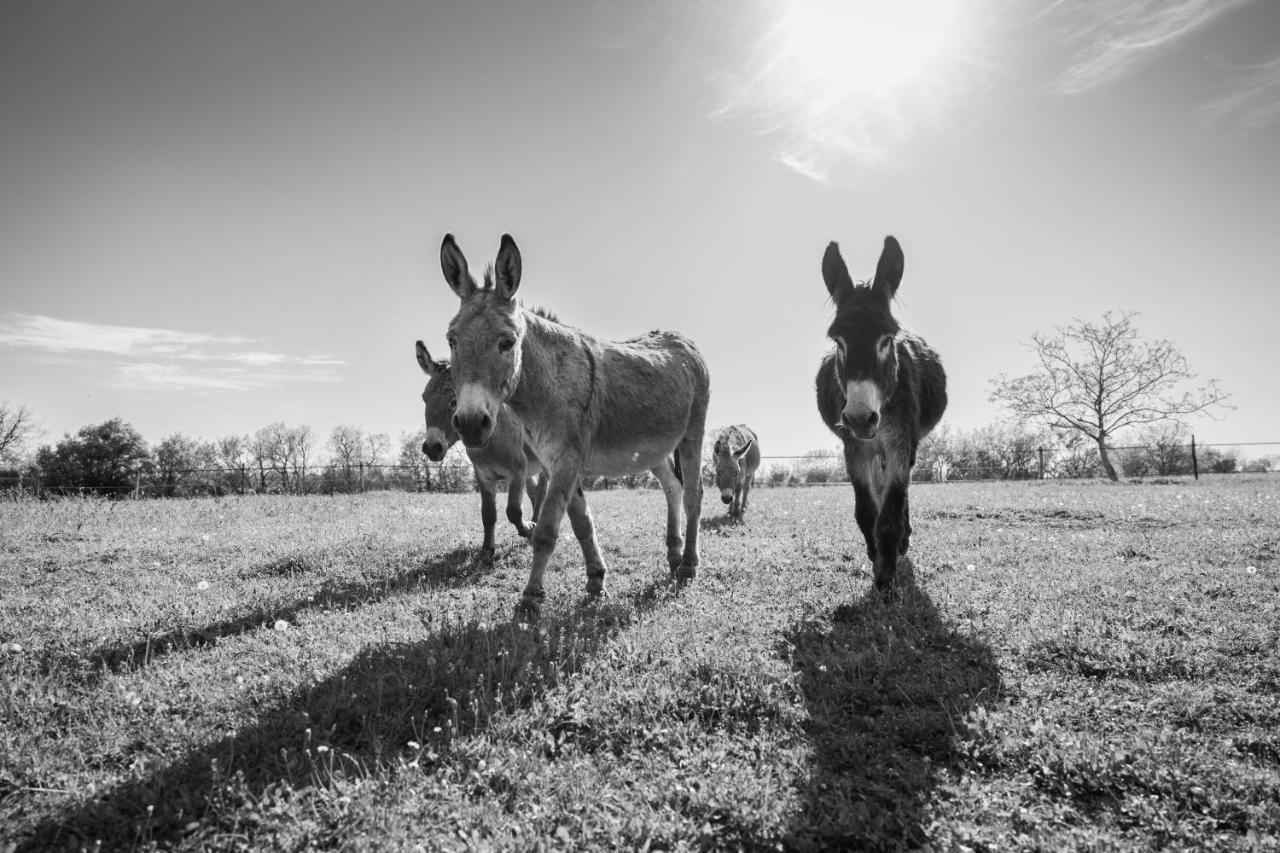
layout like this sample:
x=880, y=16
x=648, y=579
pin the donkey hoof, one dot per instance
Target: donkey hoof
x=526, y=531
x=685, y=573
x=485, y=556
x=595, y=586
x=528, y=609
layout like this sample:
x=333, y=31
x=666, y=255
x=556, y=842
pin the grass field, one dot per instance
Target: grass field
x=1065, y=666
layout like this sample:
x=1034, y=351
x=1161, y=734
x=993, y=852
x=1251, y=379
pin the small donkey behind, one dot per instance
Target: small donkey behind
x=881, y=392
x=736, y=456
x=508, y=456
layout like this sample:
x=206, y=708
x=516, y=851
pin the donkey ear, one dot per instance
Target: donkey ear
x=742, y=451
x=454, y=265
x=889, y=269
x=835, y=273
x=424, y=358
x=506, y=270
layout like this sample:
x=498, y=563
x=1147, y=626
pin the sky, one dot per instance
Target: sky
x=215, y=216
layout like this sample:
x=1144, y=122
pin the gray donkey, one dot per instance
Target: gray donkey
x=507, y=456
x=736, y=456
x=591, y=407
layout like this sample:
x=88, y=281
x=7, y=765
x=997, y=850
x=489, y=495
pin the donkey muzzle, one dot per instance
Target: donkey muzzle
x=862, y=422
x=474, y=427
x=433, y=450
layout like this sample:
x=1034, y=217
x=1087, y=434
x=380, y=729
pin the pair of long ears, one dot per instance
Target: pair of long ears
x=742, y=451
x=888, y=272
x=506, y=269
x=429, y=365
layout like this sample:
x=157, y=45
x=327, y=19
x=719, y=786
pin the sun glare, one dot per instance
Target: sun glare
x=866, y=47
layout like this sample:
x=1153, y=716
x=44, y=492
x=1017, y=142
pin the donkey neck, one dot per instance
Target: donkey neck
x=559, y=373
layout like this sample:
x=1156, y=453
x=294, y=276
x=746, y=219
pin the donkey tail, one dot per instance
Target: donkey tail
x=675, y=459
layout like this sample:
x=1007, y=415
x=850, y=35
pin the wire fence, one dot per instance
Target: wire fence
x=933, y=464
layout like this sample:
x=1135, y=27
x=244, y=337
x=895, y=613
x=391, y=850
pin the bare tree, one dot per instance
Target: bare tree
x=1166, y=448
x=376, y=446
x=1099, y=379
x=412, y=464
x=17, y=427
x=346, y=443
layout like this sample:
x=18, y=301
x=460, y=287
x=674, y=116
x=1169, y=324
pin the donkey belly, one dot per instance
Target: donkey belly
x=617, y=461
x=651, y=386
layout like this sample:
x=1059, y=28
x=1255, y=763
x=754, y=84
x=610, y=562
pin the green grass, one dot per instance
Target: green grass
x=1065, y=666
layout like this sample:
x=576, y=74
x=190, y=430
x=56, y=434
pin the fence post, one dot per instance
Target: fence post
x=1041, y=463
x=137, y=485
x=37, y=483
x=1195, y=464
x=362, y=477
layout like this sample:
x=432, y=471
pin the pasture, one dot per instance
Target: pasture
x=1062, y=666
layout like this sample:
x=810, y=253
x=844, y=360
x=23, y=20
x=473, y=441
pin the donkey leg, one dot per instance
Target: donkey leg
x=735, y=507
x=906, y=524
x=531, y=486
x=515, y=510
x=690, y=451
x=746, y=494
x=889, y=533
x=545, y=534
x=584, y=528
x=488, y=516
x=672, y=490
x=865, y=506
x=865, y=512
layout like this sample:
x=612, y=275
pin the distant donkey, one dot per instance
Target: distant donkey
x=881, y=392
x=591, y=407
x=736, y=456
x=508, y=455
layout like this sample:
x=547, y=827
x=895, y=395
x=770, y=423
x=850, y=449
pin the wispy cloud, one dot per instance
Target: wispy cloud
x=841, y=85
x=1112, y=38
x=166, y=358
x=833, y=83
x=1255, y=104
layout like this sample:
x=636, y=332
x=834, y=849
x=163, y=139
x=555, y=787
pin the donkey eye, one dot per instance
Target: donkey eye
x=453, y=403
x=506, y=344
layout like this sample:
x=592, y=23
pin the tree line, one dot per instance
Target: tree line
x=1100, y=400
x=113, y=458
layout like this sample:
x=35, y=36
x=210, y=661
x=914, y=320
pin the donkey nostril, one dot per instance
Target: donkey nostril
x=425, y=451
x=484, y=422
x=873, y=418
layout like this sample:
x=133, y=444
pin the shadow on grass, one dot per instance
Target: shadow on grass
x=721, y=522
x=430, y=692
x=887, y=685
x=453, y=569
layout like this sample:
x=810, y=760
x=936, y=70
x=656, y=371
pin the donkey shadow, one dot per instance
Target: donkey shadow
x=394, y=701
x=452, y=569
x=887, y=687
x=722, y=523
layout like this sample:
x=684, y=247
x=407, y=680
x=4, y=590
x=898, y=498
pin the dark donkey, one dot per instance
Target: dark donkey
x=591, y=407
x=508, y=455
x=881, y=392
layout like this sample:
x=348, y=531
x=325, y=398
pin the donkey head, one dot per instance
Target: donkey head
x=439, y=400
x=729, y=467
x=485, y=338
x=864, y=332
